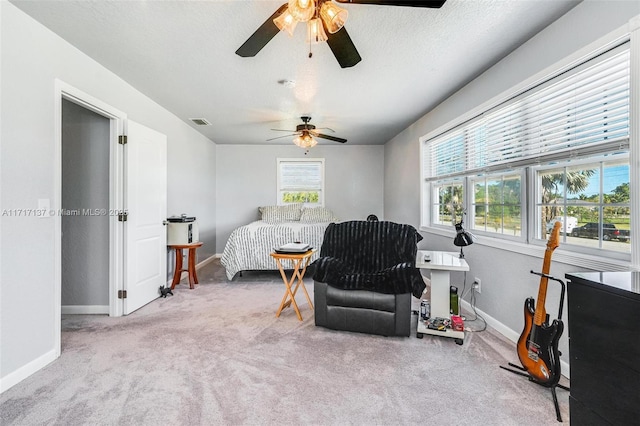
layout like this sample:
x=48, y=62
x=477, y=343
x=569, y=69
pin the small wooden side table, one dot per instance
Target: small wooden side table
x=191, y=268
x=300, y=262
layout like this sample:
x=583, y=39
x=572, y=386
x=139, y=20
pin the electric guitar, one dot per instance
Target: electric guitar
x=538, y=343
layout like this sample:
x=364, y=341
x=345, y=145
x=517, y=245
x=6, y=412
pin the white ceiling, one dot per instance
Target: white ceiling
x=182, y=55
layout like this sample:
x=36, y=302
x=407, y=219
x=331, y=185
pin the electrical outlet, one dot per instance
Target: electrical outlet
x=477, y=285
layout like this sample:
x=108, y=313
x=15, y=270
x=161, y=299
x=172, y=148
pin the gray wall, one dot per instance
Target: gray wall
x=32, y=58
x=191, y=184
x=246, y=179
x=506, y=280
x=85, y=185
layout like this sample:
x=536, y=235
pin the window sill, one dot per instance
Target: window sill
x=582, y=260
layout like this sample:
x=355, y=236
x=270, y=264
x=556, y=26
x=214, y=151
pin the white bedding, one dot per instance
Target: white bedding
x=250, y=246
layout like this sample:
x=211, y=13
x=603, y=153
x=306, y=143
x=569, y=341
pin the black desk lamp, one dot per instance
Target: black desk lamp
x=462, y=238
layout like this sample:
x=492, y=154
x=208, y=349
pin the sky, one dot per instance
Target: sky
x=614, y=177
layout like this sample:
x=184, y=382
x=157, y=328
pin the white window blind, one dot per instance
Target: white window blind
x=582, y=111
x=300, y=175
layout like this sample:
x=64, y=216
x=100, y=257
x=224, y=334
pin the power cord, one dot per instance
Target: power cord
x=477, y=315
x=473, y=307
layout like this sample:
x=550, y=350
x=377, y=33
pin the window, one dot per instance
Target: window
x=497, y=204
x=591, y=199
x=301, y=181
x=558, y=151
x=448, y=203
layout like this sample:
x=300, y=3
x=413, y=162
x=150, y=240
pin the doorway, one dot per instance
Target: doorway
x=84, y=210
x=130, y=239
x=67, y=96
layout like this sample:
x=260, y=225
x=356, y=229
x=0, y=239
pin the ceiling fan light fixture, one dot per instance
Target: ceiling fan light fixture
x=302, y=10
x=315, y=31
x=305, y=140
x=286, y=22
x=333, y=16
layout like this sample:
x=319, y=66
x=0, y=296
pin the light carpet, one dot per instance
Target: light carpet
x=218, y=355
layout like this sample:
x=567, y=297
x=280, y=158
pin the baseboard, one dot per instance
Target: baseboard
x=85, y=309
x=509, y=333
x=206, y=261
x=27, y=370
x=198, y=266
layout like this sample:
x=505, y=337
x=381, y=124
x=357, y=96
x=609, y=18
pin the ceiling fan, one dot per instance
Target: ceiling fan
x=325, y=22
x=305, y=134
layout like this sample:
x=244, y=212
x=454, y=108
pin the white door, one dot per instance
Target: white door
x=145, y=201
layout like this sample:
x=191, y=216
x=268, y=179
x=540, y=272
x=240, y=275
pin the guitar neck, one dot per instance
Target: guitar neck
x=541, y=313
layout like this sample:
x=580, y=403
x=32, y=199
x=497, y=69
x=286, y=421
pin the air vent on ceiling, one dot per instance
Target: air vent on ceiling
x=200, y=121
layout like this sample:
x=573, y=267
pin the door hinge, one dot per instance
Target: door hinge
x=122, y=216
x=122, y=294
x=122, y=139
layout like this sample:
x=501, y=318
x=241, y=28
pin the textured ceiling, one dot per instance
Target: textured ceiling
x=181, y=54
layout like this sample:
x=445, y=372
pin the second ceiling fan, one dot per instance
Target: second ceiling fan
x=305, y=132
x=325, y=22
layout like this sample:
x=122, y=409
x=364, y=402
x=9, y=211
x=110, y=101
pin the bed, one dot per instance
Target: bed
x=249, y=246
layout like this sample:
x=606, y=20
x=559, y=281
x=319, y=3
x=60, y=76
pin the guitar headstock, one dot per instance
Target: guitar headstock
x=554, y=238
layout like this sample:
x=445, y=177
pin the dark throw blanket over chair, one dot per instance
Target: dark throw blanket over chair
x=365, y=277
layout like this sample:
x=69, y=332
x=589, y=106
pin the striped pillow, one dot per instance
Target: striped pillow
x=278, y=214
x=317, y=215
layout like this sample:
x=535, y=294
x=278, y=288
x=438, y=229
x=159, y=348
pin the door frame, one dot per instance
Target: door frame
x=117, y=125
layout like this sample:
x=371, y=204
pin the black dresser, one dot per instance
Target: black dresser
x=604, y=346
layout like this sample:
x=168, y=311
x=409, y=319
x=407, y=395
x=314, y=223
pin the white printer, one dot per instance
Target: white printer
x=182, y=230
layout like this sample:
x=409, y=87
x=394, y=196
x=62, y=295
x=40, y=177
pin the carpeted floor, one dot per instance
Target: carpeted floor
x=218, y=355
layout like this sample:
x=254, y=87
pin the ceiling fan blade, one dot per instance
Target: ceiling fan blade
x=285, y=136
x=343, y=48
x=435, y=4
x=282, y=130
x=331, y=138
x=262, y=36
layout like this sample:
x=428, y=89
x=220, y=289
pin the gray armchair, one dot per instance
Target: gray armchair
x=365, y=277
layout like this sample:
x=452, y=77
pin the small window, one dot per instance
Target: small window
x=301, y=181
x=497, y=204
x=448, y=202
